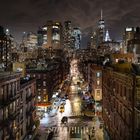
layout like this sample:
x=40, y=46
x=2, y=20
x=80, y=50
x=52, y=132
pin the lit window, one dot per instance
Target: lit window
x=98, y=82
x=117, y=60
x=98, y=93
x=98, y=74
x=44, y=91
x=44, y=83
x=55, y=27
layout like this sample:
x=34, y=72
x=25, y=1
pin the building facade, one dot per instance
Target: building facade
x=48, y=79
x=17, y=107
x=50, y=35
x=121, y=104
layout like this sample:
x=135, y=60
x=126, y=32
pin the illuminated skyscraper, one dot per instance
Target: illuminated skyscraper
x=77, y=38
x=67, y=35
x=31, y=40
x=50, y=35
x=128, y=35
x=93, y=40
x=101, y=29
x=5, y=50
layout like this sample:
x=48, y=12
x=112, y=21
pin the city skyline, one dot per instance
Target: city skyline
x=29, y=15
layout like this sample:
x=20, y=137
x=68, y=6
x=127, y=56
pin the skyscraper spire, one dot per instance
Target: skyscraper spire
x=107, y=37
x=101, y=14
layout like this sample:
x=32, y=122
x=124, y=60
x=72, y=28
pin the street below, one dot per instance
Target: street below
x=72, y=105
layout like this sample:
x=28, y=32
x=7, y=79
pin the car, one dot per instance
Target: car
x=64, y=119
x=66, y=96
x=61, y=108
x=63, y=101
x=57, y=102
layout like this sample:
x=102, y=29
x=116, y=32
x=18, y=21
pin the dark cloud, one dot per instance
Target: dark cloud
x=27, y=15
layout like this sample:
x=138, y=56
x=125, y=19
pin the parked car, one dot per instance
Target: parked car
x=64, y=119
x=61, y=108
x=66, y=96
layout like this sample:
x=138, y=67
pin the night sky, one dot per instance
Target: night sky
x=28, y=15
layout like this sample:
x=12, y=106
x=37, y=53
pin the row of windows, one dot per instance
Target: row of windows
x=4, y=133
x=123, y=91
x=9, y=110
x=9, y=90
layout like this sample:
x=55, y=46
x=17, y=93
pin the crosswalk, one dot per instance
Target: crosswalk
x=70, y=129
x=77, y=114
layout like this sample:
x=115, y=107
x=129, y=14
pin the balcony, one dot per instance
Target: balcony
x=5, y=102
x=29, y=98
x=13, y=115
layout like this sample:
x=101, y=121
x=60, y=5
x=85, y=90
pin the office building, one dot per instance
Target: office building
x=133, y=45
x=128, y=35
x=101, y=30
x=50, y=35
x=77, y=38
x=67, y=36
x=31, y=41
x=5, y=50
x=93, y=41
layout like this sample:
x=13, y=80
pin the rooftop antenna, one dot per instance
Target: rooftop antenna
x=101, y=14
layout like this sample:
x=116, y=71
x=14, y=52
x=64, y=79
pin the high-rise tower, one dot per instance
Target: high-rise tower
x=67, y=35
x=101, y=29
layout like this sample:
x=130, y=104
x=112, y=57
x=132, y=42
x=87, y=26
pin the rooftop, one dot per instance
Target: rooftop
x=25, y=80
x=4, y=74
x=127, y=68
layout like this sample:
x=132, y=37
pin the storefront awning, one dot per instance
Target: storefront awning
x=43, y=104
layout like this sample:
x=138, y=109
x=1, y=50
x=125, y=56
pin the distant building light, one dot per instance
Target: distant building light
x=39, y=97
x=57, y=23
x=98, y=82
x=54, y=96
x=19, y=69
x=45, y=28
x=98, y=74
x=55, y=27
x=117, y=60
x=128, y=29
